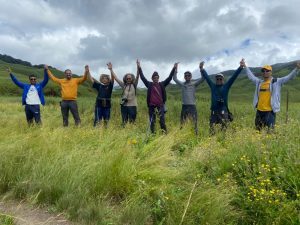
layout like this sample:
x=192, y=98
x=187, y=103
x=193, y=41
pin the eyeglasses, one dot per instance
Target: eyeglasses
x=265, y=71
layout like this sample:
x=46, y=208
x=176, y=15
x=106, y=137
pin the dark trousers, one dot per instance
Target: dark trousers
x=66, y=106
x=218, y=117
x=152, y=116
x=33, y=112
x=101, y=113
x=189, y=112
x=265, y=119
x=128, y=114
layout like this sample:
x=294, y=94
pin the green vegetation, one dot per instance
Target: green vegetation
x=127, y=176
x=6, y=220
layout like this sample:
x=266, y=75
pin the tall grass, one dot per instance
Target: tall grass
x=128, y=176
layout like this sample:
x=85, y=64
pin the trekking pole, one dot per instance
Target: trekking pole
x=287, y=107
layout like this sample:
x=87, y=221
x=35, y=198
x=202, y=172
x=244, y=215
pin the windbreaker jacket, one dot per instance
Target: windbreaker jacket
x=275, y=87
x=39, y=87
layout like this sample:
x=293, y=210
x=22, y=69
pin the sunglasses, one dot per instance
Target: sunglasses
x=219, y=78
x=187, y=75
x=32, y=78
x=265, y=71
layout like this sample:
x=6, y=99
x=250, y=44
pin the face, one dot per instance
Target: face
x=129, y=79
x=187, y=76
x=219, y=80
x=32, y=80
x=68, y=74
x=104, y=80
x=266, y=73
x=155, y=79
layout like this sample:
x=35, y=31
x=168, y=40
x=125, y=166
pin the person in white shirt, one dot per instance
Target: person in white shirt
x=32, y=96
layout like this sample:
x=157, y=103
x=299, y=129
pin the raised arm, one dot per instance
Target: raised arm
x=290, y=76
x=137, y=73
x=112, y=74
x=205, y=75
x=250, y=75
x=87, y=68
x=169, y=78
x=85, y=76
x=52, y=77
x=236, y=73
x=46, y=78
x=180, y=83
x=14, y=79
x=145, y=81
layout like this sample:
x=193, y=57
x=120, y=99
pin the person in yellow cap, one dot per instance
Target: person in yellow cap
x=267, y=95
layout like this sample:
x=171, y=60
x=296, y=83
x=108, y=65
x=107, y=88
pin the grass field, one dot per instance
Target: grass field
x=127, y=176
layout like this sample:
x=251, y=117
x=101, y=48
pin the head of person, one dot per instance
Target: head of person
x=104, y=78
x=32, y=79
x=219, y=79
x=155, y=77
x=68, y=74
x=266, y=71
x=187, y=76
x=128, y=78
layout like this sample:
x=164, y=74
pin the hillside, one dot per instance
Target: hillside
x=242, y=90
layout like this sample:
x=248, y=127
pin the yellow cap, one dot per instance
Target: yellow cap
x=267, y=67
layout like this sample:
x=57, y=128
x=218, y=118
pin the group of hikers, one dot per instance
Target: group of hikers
x=266, y=96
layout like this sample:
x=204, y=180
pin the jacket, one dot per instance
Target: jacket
x=275, y=87
x=162, y=84
x=39, y=87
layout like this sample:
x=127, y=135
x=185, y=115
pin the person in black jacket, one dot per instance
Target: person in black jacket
x=156, y=97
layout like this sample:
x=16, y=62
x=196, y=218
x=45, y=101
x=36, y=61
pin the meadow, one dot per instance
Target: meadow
x=128, y=176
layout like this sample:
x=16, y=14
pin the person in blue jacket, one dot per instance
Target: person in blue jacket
x=220, y=113
x=32, y=96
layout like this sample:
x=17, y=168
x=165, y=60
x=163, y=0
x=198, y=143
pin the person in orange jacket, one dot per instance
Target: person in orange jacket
x=69, y=89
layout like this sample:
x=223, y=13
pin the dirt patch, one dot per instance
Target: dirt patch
x=25, y=214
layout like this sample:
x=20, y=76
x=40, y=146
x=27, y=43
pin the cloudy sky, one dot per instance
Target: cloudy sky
x=72, y=33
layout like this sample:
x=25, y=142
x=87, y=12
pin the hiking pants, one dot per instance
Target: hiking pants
x=128, y=114
x=265, y=118
x=189, y=112
x=33, y=112
x=66, y=106
x=152, y=116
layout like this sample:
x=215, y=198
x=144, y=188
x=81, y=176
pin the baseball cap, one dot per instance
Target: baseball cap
x=267, y=67
x=219, y=75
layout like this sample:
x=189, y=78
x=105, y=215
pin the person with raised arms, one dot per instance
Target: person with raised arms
x=32, y=96
x=69, y=88
x=129, y=99
x=267, y=95
x=188, y=87
x=220, y=113
x=104, y=88
x=157, y=97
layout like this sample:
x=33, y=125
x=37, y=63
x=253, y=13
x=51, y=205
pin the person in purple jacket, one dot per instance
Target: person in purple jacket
x=32, y=96
x=156, y=96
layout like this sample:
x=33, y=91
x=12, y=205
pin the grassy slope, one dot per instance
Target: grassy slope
x=126, y=176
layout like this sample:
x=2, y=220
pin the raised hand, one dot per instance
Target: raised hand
x=176, y=65
x=86, y=69
x=109, y=66
x=242, y=63
x=8, y=70
x=201, y=65
x=138, y=63
x=298, y=64
x=45, y=66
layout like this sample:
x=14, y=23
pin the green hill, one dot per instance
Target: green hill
x=242, y=90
